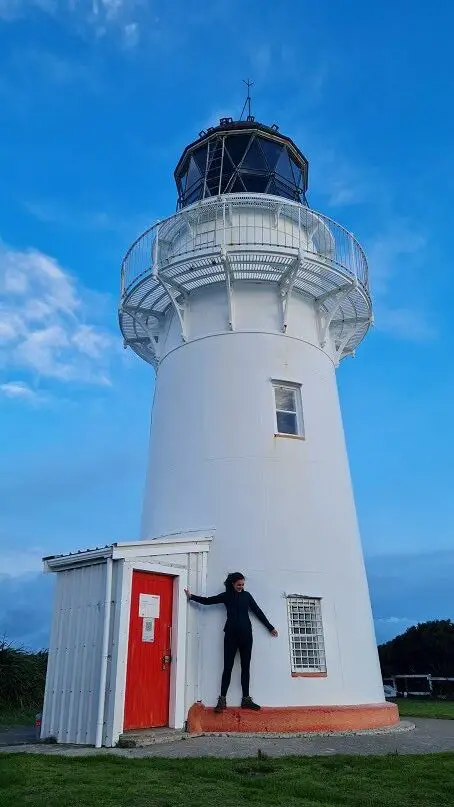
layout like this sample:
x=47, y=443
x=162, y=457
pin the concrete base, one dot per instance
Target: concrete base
x=144, y=737
x=293, y=719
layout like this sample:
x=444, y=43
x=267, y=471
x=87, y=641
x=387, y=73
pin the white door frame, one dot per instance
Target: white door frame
x=178, y=649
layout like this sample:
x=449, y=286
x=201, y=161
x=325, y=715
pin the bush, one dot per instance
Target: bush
x=427, y=648
x=22, y=676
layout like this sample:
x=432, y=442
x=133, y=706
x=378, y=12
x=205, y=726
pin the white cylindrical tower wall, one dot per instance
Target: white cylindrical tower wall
x=282, y=507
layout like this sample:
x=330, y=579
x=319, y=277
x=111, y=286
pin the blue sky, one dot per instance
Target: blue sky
x=97, y=100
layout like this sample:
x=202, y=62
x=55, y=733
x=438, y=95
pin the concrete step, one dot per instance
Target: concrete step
x=292, y=719
x=143, y=737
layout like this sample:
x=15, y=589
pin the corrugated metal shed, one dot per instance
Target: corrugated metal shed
x=84, y=697
x=73, y=676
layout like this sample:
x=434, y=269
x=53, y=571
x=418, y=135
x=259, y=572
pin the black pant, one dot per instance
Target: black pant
x=232, y=643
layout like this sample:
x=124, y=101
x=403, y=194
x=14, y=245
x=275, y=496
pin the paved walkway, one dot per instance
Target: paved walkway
x=428, y=736
x=17, y=735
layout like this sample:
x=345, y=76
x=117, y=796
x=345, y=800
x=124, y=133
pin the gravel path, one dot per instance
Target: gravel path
x=427, y=737
x=17, y=735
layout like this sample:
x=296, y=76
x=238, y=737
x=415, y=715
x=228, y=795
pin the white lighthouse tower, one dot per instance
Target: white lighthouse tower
x=245, y=301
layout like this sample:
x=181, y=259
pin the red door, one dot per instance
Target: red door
x=150, y=637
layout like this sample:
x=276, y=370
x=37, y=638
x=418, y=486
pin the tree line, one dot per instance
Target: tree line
x=426, y=649
x=22, y=676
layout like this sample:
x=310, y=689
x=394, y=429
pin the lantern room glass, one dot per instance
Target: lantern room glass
x=239, y=163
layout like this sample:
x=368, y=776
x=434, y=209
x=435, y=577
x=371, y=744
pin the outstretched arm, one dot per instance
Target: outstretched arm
x=260, y=615
x=218, y=598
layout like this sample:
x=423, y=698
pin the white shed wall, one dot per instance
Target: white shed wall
x=72, y=682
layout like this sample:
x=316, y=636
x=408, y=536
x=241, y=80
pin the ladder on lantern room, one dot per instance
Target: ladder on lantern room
x=215, y=157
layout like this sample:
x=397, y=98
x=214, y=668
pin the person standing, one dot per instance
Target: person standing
x=237, y=634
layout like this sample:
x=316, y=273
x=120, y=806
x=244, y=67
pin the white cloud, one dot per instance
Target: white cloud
x=131, y=34
x=44, y=328
x=345, y=191
x=19, y=390
x=387, y=628
x=397, y=620
x=395, y=244
x=54, y=69
x=261, y=58
x=10, y=9
x=399, y=248
x=96, y=17
x=272, y=61
x=405, y=323
x=343, y=183
x=55, y=213
x=91, y=342
x=317, y=80
x=112, y=7
x=15, y=9
x=16, y=563
x=123, y=226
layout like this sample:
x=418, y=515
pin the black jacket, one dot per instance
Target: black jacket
x=238, y=605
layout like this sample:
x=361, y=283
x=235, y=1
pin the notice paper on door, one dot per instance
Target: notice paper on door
x=149, y=605
x=148, y=630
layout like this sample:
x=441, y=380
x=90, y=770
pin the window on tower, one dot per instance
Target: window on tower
x=307, y=646
x=289, y=412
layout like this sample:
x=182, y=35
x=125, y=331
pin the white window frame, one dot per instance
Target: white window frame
x=307, y=649
x=298, y=411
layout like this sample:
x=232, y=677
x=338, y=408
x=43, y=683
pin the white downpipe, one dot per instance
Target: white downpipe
x=202, y=585
x=105, y=653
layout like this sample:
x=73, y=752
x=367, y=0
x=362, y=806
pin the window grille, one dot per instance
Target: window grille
x=307, y=646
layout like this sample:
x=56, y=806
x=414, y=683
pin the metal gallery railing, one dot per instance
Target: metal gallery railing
x=244, y=221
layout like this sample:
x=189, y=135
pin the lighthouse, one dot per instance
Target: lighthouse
x=245, y=301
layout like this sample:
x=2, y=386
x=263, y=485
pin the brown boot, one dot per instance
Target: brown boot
x=221, y=704
x=248, y=703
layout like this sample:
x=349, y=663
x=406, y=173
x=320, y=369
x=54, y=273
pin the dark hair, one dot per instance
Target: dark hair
x=232, y=578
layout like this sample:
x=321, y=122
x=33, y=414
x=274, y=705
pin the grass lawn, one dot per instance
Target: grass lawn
x=444, y=710
x=17, y=717
x=43, y=781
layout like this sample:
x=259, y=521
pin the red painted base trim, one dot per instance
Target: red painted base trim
x=293, y=719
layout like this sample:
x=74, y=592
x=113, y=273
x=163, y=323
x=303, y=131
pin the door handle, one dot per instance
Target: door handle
x=167, y=659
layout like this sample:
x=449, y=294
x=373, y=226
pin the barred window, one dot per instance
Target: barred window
x=307, y=646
